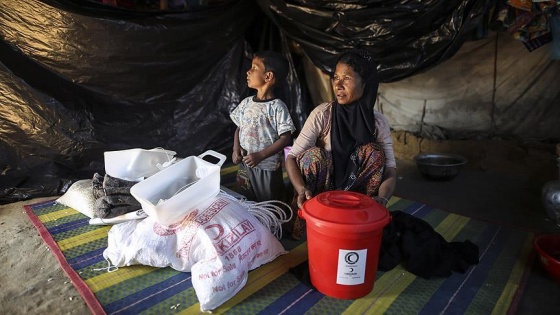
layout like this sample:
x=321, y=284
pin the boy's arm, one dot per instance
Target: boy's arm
x=237, y=155
x=255, y=158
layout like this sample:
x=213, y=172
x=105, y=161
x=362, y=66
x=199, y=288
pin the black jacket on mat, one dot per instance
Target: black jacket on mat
x=425, y=252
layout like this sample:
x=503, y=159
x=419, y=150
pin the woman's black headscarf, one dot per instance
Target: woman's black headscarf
x=353, y=124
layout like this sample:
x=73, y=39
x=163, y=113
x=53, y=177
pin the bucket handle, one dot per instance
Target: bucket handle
x=344, y=200
x=339, y=201
x=221, y=158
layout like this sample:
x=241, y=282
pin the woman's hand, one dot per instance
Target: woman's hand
x=304, y=194
x=296, y=179
x=381, y=200
x=387, y=186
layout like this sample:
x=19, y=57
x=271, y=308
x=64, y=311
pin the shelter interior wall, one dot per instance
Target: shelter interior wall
x=491, y=87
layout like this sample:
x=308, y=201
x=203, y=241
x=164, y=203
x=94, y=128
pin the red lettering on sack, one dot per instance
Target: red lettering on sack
x=260, y=254
x=245, y=254
x=201, y=219
x=251, y=248
x=193, y=221
x=247, y=227
x=230, y=267
x=256, y=244
x=233, y=237
x=218, y=227
x=187, y=240
x=211, y=211
x=218, y=272
x=163, y=230
x=232, y=253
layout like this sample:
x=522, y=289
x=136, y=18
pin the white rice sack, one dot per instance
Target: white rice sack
x=218, y=242
x=80, y=197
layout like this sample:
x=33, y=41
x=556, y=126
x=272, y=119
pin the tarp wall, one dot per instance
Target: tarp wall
x=492, y=88
x=79, y=78
x=445, y=74
x=405, y=37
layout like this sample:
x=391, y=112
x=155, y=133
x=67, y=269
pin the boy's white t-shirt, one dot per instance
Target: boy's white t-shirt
x=260, y=124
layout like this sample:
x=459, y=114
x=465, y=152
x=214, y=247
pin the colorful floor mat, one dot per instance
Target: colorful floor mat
x=491, y=287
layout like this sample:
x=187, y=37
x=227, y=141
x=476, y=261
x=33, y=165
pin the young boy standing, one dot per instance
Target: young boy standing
x=264, y=128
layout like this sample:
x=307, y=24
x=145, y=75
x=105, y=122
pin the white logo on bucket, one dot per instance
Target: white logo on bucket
x=351, y=266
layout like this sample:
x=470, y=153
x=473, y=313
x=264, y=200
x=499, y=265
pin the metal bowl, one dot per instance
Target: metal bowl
x=439, y=166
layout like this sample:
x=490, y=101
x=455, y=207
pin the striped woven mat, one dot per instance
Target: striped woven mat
x=492, y=286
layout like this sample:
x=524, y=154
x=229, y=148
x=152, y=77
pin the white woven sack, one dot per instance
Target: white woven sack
x=219, y=242
x=80, y=197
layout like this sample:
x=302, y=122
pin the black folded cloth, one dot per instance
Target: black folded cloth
x=112, y=206
x=112, y=196
x=426, y=253
x=97, y=186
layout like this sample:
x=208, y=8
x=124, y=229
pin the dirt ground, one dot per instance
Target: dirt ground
x=31, y=280
x=531, y=160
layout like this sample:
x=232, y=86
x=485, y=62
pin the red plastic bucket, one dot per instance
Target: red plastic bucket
x=344, y=232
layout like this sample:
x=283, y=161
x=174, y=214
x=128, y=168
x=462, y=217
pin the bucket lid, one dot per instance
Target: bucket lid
x=346, y=209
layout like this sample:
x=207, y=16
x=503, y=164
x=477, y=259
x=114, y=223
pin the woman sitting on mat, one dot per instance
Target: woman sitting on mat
x=345, y=144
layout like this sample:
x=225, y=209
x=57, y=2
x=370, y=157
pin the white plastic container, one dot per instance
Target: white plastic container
x=171, y=193
x=136, y=164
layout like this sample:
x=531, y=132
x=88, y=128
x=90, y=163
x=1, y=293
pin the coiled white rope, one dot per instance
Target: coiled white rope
x=272, y=214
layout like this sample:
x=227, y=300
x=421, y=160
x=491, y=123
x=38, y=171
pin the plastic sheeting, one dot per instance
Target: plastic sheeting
x=79, y=78
x=406, y=37
x=492, y=88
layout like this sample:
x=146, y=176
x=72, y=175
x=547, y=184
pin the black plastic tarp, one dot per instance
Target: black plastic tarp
x=79, y=78
x=78, y=81
x=405, y=36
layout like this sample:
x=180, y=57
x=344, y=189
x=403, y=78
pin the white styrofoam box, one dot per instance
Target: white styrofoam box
x=136, y=164
x=172, y=192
